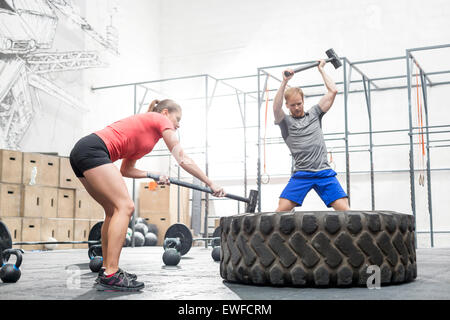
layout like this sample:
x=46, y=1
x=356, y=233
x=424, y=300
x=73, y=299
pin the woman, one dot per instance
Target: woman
x=92, y=161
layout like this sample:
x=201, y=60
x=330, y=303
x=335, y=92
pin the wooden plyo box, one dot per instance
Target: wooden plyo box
x=11, y=166
x=10, y=198
x=31, y=232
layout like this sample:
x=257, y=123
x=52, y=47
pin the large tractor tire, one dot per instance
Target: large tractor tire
x=324, y=248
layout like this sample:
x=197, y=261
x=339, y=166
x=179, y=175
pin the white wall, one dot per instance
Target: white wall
x=235, y=37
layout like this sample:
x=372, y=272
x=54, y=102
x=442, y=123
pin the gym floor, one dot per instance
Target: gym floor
x=65, y=274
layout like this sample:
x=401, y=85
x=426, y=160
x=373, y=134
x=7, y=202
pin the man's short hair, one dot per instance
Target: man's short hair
x=292, y=92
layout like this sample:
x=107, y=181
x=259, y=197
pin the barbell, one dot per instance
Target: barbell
x=7, y=243
x=181, y=233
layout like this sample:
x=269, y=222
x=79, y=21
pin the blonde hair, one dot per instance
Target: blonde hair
x=159, y=106
x=292, y=92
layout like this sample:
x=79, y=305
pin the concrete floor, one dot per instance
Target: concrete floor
x=65, y=274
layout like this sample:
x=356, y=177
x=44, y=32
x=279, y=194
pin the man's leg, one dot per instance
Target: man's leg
x=331, y=193
x=285, y=205
x=340, y=204
x=293, y=194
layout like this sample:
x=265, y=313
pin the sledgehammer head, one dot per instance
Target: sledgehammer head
x=336, y=61
x=253, y=199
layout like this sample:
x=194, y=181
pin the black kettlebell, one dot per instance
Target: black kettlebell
x=94, y=251
x=171, y=257
x=96, y=263
x=215, y=254
x=10, y=273
x=174, y=243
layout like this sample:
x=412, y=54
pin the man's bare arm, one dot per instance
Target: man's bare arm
x=278, y=100
x=327, y=100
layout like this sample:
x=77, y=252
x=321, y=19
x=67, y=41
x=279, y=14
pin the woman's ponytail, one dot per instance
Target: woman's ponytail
x=152, y=106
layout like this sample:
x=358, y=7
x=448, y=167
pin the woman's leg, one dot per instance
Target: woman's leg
x=109, y=210
x=107, y=183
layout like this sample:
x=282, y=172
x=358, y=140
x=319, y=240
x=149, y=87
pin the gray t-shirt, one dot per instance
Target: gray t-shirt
x=304, y=138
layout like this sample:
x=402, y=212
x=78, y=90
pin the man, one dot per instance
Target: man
x=302, y=132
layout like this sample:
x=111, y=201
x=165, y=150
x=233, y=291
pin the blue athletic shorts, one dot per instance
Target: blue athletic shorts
x=323, y=182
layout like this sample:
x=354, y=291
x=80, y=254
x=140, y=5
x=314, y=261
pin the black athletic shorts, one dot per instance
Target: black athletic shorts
x=89, y=152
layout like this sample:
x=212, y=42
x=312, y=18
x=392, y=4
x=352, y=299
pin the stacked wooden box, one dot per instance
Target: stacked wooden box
x=160, y=207
x=40, y=197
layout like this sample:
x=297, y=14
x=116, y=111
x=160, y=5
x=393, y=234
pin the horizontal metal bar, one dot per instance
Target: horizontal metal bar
x=439, y=126
x=433, y=231
x=280, y=175
x=378, y=60
x=202, y=239
x=381, y=89
x=214, y=199
x=150, y=81
x=352, y=151
x=429, y=132
x=429, y=48
x=54, y=242
x=441, y=146
x=379, y=131
x=388, y=145
x=239, y=77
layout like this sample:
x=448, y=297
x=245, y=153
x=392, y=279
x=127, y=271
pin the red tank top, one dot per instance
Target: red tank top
x=135, y=136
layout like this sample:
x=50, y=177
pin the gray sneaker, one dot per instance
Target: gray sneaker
x=118, y=282
x=132, y=276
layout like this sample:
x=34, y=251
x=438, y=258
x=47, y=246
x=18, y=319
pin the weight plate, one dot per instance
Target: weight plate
x=216, y=234
x=179, y=230
x=5, y=238
x=95, y=234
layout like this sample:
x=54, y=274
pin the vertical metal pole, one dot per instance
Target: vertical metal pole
x=245, y=144
x=372, y=179
x=425, y=104
x=205, y=233
x=258, y=175
x=133, y=221
x=411, y=145
x=347, y=154
x=369, y=113
x=260, y=98
x=178, y=191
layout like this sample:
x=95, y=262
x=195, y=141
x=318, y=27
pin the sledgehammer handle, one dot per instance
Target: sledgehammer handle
x=308, y=66
x=197, y=187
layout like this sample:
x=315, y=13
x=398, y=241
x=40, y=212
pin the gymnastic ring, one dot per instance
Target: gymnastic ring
x=265, y=178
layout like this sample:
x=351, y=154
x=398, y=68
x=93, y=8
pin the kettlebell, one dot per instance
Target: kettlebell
x=10, y=273
x=174, y=243
x=171, y=257
x=94, y=251
x=96, y=263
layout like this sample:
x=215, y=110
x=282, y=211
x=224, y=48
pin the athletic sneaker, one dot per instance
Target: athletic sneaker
x=118, y=282
x=132, y=276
